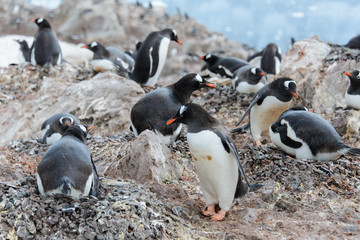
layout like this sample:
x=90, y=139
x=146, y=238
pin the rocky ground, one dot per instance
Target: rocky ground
x=300, y=199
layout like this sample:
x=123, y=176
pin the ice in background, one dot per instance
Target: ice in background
x=258, y=22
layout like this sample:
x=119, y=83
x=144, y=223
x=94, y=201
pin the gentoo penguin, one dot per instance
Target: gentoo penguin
x=222, y=66
x=354, y=42
x=247, y=79
x=54, y=127
x=151, y=56
x=267, y=105
x=24, y=51
x=215, y=157
x=270, y=58
x=307, y=135
x=157, y=106
x=45, y=49
x=67, y=167
x=352, y=95
x=110, y=59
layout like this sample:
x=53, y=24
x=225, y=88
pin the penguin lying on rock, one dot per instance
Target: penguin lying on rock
x=157, y=106
x=352, y=95
x=45, y=49
x=307, y=135
x=54, y=127
x=216, y=160
x=67, y=167
x=151, y=56
x=110, y=59
x=222, y=66
x=247, y=79
x=267, y=105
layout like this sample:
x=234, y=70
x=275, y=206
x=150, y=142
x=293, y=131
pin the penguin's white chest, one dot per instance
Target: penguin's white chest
x=161, y=55
x=352, y=100
x=245, y=87
x=216, y=168
x=262, y=116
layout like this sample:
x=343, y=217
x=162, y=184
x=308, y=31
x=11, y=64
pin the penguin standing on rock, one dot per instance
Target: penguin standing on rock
x=247, y=79
x=216, y=160
x=352, y=95
x=267, y=105
x=307, y=135
x=157, y=106
x=55, y=126
x=222, y=66
x=45, y=49
x=67, y=167
x=24, y=51
x=151, y=56
x=110, y=58
x=270, y=58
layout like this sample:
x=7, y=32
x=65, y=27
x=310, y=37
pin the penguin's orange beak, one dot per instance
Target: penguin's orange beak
x=171, y=121
x=347, y=73
x=178, y=41
x=85, y=46
x=210, y=85
x=89, y=128
x=33, y=20
x=296, y=95
x=262, y=74
x=202, y=58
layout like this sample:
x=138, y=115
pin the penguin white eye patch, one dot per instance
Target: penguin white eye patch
x=253, y=71
x=208, y=56
x=174, y=32
x=93, y=44
x=82, y=128
x=182, y=110
x=198, y=78
x=40, y=20
x=287, y=83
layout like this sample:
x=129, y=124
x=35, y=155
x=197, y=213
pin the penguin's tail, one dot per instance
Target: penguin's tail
x=244, y=187
x=66, y=187
x=241, y=129
x=353, y=151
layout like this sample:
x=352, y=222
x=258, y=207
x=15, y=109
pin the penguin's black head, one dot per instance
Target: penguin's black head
x=353, y=76
x=191, y=82
x=93, y=46
x=181, y=116
x=79, y=131
x=257, y=72
x=42, y=23
x=287, y=88
x=138, y=45
x=273, y=48
x=171, y=33
x=209, y=58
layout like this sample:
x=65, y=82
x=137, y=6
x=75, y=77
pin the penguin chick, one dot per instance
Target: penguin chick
x=110, y=59
x=67, y=167
x=24, y=51
x=270, y=58
x=157, y=106
x=151, y=56
x=267, y=105
x=352, y=95
x=247, y=79
x=307, y=135
x=54, y=127
x=215, y=157
x=45, y=50
x=222, y=66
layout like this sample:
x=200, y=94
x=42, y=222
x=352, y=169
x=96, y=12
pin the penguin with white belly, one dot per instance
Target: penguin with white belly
x=67, y=167
x=352, y=95
x=110, y=59
x=247, y=79
x=157, y=106
x=54, y=127
x=45, y=49
x=216, y=160
x=306, y=135
x=267, y=105
x=151, y=56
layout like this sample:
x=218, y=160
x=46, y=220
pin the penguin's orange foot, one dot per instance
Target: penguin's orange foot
x=258, y=143
x=218, y=216
x=210, y=210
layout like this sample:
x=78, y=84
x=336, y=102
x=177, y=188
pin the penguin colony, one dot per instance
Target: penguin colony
x=67, y=167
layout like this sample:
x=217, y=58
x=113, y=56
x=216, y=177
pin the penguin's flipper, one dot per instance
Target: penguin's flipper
x=259, y=96
x=241, y=129
x=258, y=54
x=95, y=186
x=285, y=139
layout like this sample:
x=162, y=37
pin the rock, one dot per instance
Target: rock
x=269, y=191
x=22, y=232
x=146, y=158
x=288, y=205
x=249, y=215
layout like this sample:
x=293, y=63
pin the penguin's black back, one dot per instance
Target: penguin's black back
x=267, y=60
x=354, y=42
x=69, y=160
